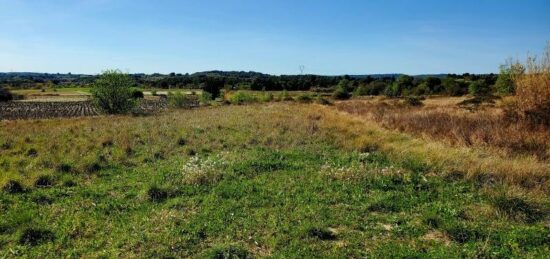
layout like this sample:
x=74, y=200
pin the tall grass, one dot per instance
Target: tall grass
x=487, y=127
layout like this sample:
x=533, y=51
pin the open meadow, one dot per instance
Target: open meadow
x=276, y=179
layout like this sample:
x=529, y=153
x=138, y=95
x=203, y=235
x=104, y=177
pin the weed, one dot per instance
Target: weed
x=43, y=181
x=13, y=187
x=32, y=152
x=157, y=194
x=322, y=233
x=518, y=209
x=228, y=252
x=35, y=236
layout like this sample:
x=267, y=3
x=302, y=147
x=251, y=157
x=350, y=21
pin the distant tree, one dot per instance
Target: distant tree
x=112, y=92
x=342, y=90
x=421, y=89
x=376, y=87
x=345, y=84
x=361, y=90
x=479, y=88
x=212, y=85
x=402, y=85
x=433, y=84
x=452, y=87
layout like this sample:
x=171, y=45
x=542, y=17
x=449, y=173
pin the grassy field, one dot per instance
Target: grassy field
x=308, y=181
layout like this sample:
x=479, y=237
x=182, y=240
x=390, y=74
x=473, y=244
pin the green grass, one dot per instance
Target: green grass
x=226, y=187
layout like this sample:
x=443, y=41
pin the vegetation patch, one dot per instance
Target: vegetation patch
x=35, y=236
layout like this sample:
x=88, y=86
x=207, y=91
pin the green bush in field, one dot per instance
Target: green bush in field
x=362, y=90
x=205, y=97
x=268, y=97
x=179, y=100
x=304, y=98
x=137, y=94
x=285, y=96
x=505, y=84
x=341, y=94
x=112, y=92
x=241, y=97
x=479, y=88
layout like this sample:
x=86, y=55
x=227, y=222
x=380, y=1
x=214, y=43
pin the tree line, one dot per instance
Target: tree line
x=390, y=85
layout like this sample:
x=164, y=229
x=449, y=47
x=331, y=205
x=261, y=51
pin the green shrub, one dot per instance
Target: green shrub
x=362, y=90
x=241, y=97
x=285, y=96
x=137, y=94
x=112, y=92
x=205, y=97
x=479, y=88
x=304, y=98
x=179, y=100
x=268, y=97
x=341, y=94
x=505, y=83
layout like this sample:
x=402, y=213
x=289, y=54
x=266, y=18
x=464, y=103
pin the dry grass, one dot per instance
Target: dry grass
x=472, y=144
x=487, y=127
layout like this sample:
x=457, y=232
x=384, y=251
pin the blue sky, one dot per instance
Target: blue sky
x=271, y=36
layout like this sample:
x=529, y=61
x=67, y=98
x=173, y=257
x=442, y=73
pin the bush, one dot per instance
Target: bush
x=532, y=81
x=157, y=194
x=304, y=98
x=268, y=97
x=479, y=88
x=35, y=236
x=179, y=100
x=362, y=90
x=205, y=97
x=43, y=181
x=504, y=84
x=341, y=94
x=112, y=92
x=285, y=96
x=13, y=187
x=137, y=94
x=241, y=97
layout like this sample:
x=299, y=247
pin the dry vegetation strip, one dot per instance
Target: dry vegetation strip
x=478, y=144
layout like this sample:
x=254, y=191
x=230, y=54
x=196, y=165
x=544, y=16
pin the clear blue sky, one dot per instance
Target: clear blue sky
x=271, y=36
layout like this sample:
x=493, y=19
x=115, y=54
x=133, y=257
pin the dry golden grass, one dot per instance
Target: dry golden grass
x=486, y=127
x=451, y=140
